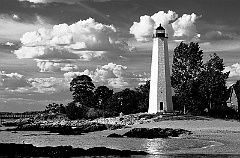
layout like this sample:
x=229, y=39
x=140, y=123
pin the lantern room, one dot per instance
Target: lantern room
x=159, y=32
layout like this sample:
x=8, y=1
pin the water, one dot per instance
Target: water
x=155, y=147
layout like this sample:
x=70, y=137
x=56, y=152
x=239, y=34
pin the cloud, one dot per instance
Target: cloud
x=84, y=34
x=83, y=40
x=89, y=55
x=48, y=85
x=124, y=46
x=111, y=74
x=9, y=44
x=143, y=30
x=117, y=83
x=165, y=19
x=177, y=28
x=185, y=26
x=234, y=70
x=53, y=66
x=216, y=35
x=9, y=31
x=41, y=52
x=220, y=45
x=13, y=81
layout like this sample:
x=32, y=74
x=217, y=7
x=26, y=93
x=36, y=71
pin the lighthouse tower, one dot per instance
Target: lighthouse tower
x=160, y=98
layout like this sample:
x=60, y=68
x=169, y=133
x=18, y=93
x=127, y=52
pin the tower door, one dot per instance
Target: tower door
x=161, y=106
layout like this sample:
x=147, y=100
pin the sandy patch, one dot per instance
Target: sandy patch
x=224, y=136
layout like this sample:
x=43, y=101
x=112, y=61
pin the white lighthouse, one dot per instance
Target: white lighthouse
x=160, y=98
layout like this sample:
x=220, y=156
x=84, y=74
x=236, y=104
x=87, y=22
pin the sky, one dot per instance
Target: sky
x=44, y=44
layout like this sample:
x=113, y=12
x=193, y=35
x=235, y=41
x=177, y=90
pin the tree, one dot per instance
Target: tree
x=101, y=95
x=213, y=83
x=76, y=111
x=143, y=96
x=55, y=108
x=187, y=64
x=124, y=101
x=82, y=90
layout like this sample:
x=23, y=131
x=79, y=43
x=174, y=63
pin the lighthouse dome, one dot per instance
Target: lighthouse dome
x=160, y=28
x=159, y=32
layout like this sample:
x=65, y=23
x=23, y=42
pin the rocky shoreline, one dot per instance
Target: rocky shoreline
x=64, y=126
x=151, y=133
x=28, y=150
x=66, y=129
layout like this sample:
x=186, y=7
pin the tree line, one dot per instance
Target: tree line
x=92, y=102
x=199, y=88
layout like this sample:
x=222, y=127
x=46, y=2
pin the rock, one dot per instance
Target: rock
x=151, y=133
x=18, y=122
x=114, y=126
x=28, y=150
x=67, y=131
x=83, y=127
x=114, y=135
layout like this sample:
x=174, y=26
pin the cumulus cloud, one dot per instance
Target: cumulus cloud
x=143, y=30
x=12, y=81
x=54, y=66
x=176, y=27
x=234, y=70
x=102, y=73
x=82, y=34
x=185, y=26
x=111, y=74
x=83, y=40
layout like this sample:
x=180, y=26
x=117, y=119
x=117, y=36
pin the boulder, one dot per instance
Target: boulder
x=114, y=135
x=151, y=133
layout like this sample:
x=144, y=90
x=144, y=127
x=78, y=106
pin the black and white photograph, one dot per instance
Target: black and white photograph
x=120, y=78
